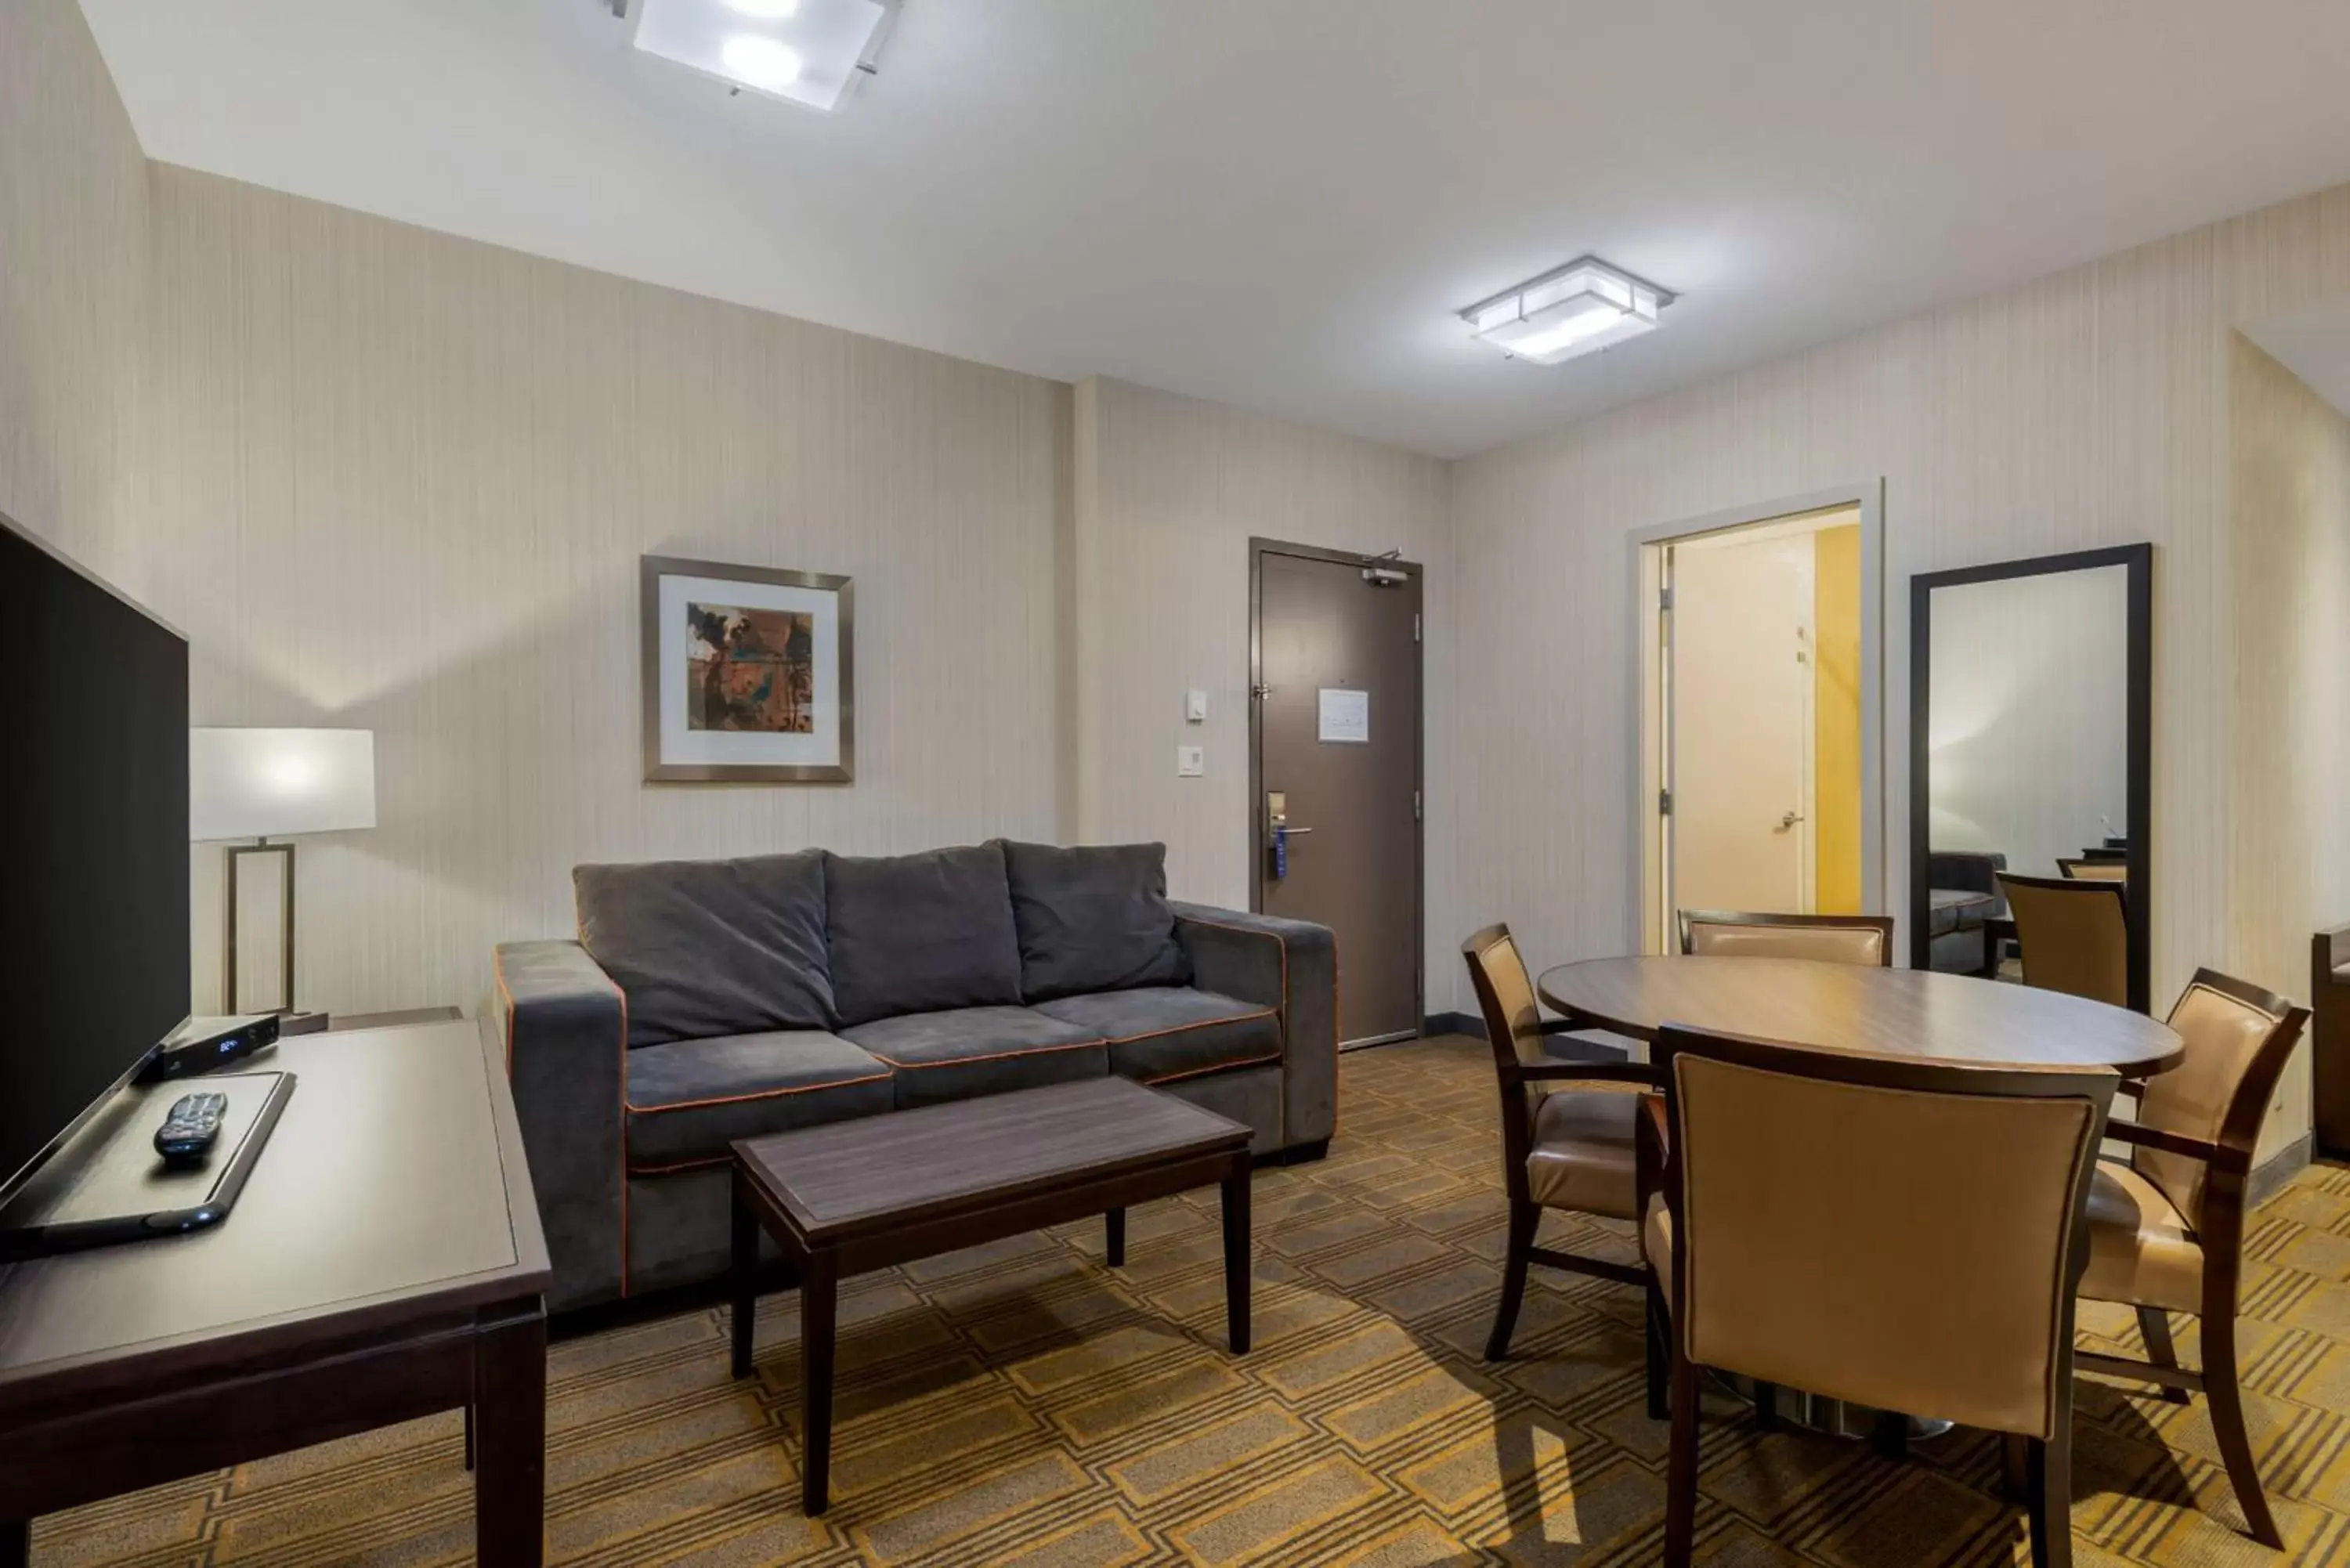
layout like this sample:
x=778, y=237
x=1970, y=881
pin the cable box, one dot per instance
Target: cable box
x=203, y=1045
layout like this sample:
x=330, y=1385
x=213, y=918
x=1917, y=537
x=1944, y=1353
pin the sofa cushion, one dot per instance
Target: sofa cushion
x=1092, y=918
x=917, y=933
x=710, y=947
x=688, y=1099
x=1173, y=1032
x=965, y=1052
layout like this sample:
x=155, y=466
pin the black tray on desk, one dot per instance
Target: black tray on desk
x=108, y=1185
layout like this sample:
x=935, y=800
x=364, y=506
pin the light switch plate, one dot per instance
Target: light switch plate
x=1195, y=706
x=1190, y=762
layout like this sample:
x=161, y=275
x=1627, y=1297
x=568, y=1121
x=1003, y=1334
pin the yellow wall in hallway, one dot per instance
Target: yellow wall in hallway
x=1836, y=740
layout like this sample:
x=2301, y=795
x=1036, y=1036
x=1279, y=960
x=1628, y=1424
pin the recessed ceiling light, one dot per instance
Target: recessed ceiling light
x=809, y=52
x=1583, y=306
x=759, y=61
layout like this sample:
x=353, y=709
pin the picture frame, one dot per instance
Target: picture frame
x=748, y=674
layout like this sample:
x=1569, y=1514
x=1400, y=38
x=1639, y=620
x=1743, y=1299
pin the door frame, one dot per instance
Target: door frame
x=1258, y=549
x=1646, y=548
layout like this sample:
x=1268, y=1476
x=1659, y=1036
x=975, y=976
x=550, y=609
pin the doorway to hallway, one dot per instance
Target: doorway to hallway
x=1761, y=782
x=1335, y=762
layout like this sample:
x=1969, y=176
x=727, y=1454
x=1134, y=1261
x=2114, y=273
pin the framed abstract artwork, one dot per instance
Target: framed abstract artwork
x=747, y=674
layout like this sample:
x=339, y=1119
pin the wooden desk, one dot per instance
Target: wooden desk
x=384, y=1263
x=1861, y=1007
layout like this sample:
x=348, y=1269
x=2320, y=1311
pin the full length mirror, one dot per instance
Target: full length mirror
x=2029, y=706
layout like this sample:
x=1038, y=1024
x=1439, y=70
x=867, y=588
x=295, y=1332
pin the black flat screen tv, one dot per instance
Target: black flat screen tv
x=93, y=845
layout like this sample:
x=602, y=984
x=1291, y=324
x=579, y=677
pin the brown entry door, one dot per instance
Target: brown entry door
x=1337, y=766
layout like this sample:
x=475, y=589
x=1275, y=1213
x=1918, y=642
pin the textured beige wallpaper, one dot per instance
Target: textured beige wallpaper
x=73, y=282
x=1169, y=491
x=402, y=481
x=2084, y=409
x=2289, y=542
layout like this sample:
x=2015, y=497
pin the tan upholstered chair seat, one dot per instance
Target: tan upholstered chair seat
x=1583, y=1153
x=2140, y=1252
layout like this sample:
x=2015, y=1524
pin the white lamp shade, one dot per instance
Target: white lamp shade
x=273, y=784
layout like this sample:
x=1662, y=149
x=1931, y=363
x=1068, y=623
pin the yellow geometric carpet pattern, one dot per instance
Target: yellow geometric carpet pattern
x=1020, y=1403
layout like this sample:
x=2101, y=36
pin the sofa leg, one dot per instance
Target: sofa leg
x=1306, y=1153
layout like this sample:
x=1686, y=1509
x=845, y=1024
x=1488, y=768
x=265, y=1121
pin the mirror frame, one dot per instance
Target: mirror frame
x=2138, y=744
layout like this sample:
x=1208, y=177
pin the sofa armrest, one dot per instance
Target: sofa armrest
x=565, y=1027
x=1289, y=964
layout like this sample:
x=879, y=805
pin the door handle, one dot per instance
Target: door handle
x=1790, y=820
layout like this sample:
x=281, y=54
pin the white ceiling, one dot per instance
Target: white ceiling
x=2314, y=343
x=1279, y=203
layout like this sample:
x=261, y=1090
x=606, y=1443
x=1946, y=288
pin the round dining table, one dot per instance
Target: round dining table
x=1924, y=1014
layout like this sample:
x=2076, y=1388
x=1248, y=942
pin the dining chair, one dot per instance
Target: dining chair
x=2094, y=870
x=1836, y=938
x=2075, y=934
x=1565, y=1145
x=1891, y=1232
x=2167, y=1227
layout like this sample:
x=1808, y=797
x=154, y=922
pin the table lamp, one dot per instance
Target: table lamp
x=269, y=784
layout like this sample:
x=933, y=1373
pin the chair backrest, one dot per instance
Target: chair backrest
x=2094, y=870
x=1505, y=994
x=1835, y=938
x=1897, y=1233
x=2239, y=1038
x=2076, y=935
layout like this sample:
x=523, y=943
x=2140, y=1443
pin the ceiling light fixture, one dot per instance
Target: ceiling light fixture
x=810, y=52
x=1584, y=305
x=759, y=61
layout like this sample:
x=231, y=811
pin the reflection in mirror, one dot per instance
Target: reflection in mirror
x=2028, y=755
x=2029, y=686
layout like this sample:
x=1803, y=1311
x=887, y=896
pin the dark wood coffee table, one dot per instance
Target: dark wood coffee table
x=853, y=1195
x=384, y=1261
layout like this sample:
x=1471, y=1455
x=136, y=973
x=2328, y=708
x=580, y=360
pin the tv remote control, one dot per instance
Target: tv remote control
x=187, y=1133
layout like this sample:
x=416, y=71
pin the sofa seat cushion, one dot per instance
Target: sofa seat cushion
x=1165, y=1031
x=920, y=933
x=687, y=1100
x=959, y=1053
x=706, y=948
x=1093, y=918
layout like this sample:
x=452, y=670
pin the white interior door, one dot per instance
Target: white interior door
x=1739, y=721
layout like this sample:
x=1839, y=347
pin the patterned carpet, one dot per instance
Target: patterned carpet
x=1021, y=1404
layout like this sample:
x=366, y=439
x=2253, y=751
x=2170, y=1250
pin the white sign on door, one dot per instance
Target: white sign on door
x=1345, y=716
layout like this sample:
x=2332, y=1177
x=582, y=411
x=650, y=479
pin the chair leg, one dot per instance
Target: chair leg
x=1523, y=1218
x=1660, y=1354
x=2015, y=1466
x=1890, y=1436
x=2051, y=1496
x=1766, y=1405
x=2154, y=1327
x=2220, y=1386
x=1681, y=1465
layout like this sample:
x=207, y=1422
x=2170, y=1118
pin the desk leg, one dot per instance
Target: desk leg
x=745, y=1283
x=819, y=1295
x=15, y=1542
x=1114, y=1237
x=1236, y=1257
x=510, y=1463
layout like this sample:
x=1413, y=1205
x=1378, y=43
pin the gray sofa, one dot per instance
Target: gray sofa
x=708, y=1001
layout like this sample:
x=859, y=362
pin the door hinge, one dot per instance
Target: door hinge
x=1415, y=806
x=1415, y=626
x=1664, y=598
x=1664, y=803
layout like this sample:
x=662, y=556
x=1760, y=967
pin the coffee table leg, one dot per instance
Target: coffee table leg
x=1236, y=1258
x=819, y=1294
x=1114, y=1234
x=745, y=1281
x=510, y=1461
x=15, y=1542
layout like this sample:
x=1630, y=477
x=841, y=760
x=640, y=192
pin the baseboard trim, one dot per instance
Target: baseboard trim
x=1453, y=1023
x=2274, y=1174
